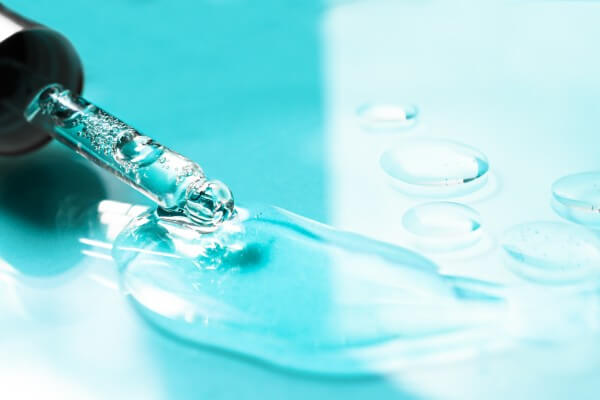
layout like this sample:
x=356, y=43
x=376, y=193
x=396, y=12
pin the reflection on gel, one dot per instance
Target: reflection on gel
x=443, y=225
x=435, y=167
x=293, y=292
x=387, y=116
x=577, y=198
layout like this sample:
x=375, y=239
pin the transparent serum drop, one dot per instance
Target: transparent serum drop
x=552, y=252
x=209, y=202
x=294, y=293
x=435, y=167
x=387, y=117
x=577, y=198
x=443, y=225
x=172, y=181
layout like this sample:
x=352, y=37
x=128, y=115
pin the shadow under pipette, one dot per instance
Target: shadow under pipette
x=47, y=202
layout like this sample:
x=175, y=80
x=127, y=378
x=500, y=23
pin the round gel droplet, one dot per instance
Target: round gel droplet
x=136, y=150
x=387, y=116
x=209, y=203
x=435, y=167
x=577, y=198
x=443, y=226
x=552, y=252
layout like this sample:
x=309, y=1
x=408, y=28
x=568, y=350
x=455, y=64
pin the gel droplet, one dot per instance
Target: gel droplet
x=577, y=198
x=435, y=167
x=293, y=292
x=136, y=150
x=552, y=252
x=209, y=203
x=443, y=226
x=387, y=116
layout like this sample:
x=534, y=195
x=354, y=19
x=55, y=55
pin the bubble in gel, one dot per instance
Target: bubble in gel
x=552, y=252
x=435, y=167
x=64, y=109
x=577, y=198
x=387, y=116
x=293, y=292
x=137, y=150
x=443, y=226
x=64, y=113
x=208, y=203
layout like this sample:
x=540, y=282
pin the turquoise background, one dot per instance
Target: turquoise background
x=221, y=81
x=262, y=95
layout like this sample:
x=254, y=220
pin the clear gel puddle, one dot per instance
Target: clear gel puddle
x=443, y=226
x=552, y=252
x=387, y=117
x=295, y=293
x=577, y=198
x=435, y=167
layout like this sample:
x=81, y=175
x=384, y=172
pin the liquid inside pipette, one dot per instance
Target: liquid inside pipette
x=177, y=184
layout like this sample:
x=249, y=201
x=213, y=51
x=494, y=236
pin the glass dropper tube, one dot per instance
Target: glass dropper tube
x=175, y=183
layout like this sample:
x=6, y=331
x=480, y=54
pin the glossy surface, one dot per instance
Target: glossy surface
x=577, y=198
x=387, y=117
x=435, y=167
x=443, y=225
